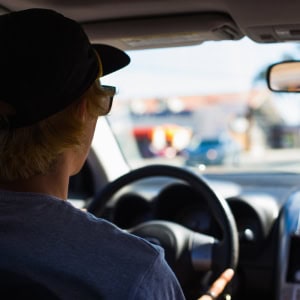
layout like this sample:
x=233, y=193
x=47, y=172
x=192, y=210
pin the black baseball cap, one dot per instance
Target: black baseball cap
x=46, y=63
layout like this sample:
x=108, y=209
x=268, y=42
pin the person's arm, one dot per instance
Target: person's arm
x=218, y=286
x=158, y=282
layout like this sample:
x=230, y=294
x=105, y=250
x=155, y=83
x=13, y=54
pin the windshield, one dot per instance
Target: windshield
x=208, y=107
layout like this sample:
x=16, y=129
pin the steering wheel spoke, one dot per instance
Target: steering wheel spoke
x=202, y=246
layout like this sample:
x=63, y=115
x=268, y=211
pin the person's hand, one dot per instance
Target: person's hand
x=218, y=286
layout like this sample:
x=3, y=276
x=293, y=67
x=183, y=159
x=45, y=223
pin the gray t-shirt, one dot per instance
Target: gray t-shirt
x=79, y=256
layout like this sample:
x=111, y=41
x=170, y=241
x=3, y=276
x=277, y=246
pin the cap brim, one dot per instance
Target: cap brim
x=112, y=59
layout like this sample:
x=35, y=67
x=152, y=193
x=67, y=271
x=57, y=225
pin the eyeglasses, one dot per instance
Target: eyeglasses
x=110, y=91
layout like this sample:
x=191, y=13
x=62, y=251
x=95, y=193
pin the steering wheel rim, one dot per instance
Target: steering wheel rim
x=228, y=248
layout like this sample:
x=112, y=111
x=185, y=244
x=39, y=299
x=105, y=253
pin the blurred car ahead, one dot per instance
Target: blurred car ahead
x=213, y=151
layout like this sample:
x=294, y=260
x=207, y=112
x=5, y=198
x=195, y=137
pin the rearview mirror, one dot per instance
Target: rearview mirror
x=284, y=77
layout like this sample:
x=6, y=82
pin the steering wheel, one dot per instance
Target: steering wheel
x=196, y=259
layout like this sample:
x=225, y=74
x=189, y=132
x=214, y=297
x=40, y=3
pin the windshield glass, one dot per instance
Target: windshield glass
x=207, y=106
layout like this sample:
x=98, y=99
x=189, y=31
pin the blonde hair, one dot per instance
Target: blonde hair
x=33, y=150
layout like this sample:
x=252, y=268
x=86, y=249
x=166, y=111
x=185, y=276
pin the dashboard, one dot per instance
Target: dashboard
x=266, y=209
x=257, y=202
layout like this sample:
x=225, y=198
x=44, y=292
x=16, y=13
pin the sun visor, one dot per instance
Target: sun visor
x=165, y=31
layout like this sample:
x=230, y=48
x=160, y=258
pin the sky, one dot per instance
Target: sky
x=192, y=70
x=202, y=69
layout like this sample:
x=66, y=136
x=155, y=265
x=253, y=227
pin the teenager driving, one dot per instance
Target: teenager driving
x=50, y=100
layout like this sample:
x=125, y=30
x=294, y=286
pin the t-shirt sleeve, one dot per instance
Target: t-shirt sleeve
x=158, y=282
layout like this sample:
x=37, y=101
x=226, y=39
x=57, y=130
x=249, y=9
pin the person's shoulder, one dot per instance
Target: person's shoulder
x=123, y=237
x=141, y=262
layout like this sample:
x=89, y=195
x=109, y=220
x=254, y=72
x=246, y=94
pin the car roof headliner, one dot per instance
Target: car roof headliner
x=135, y=24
